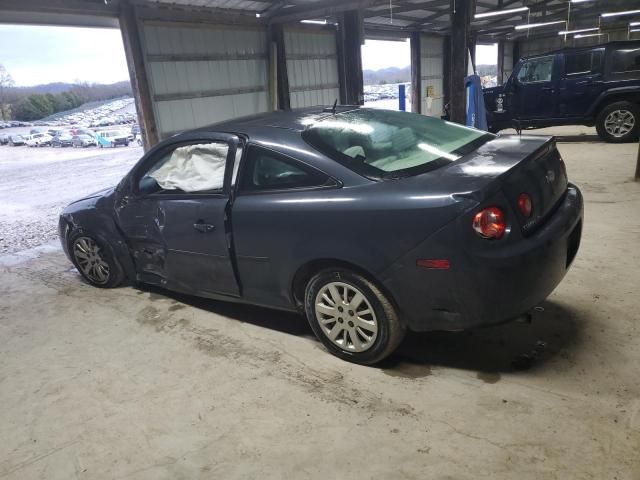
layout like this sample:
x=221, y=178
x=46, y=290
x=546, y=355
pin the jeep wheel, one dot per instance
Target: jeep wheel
x=618, y=122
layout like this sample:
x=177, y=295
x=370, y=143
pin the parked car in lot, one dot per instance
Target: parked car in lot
x=63, y=139
x=580, y=86
x=372, y=222
x=16, y=140
x=38, y=140
x=112, y=138
x=4, y=139
x=83, y=140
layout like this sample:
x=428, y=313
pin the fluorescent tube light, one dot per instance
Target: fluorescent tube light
x=580, y=1
x=581, y=30
x=634, y=24
x=616, y=14
x=495, y=13
x=589, y=35
x=634, y=30
x=315, y=22
x=538, y=25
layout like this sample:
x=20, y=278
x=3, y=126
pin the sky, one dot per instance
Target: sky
x=377, y=54
x=35, y=55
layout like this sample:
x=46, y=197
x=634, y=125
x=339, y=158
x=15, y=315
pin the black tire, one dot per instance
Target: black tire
x=623, y=106
x=390, y=330
x=116, y=273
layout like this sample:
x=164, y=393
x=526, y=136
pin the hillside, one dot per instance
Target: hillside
x=387, y=75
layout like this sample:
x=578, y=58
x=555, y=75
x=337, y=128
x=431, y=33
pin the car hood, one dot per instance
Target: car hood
x=93, y=197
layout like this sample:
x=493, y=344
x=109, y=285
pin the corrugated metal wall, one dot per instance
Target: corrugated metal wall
x=312, y=66
x=508, y=61
x=432, y=74
x=200, y=74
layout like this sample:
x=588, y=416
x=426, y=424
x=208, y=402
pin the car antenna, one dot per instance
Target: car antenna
x=335, y=104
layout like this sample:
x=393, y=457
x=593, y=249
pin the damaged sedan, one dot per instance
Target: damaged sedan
x=370, y=222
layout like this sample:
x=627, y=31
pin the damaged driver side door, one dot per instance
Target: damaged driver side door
x=175, y=216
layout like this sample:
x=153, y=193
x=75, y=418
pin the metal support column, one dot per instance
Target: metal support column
x=350, y=57
x=500, y=78
x=460, y=20
x=416, y=76
x=139, y=81
x=284, y=98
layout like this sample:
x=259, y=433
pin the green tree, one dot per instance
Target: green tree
x=6, y=82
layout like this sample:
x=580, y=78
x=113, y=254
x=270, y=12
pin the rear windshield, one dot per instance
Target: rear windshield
x=385, y=144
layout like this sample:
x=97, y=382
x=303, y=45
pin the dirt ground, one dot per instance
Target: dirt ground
x=135, y=383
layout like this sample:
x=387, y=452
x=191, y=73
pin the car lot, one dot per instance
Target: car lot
x=36, y=183
x=136, y=383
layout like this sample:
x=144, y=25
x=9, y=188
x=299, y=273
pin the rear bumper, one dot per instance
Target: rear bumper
x=486, y=286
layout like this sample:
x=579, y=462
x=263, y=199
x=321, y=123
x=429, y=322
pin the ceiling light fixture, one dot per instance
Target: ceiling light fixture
x=589, y=35
x=538, y=25
x=634, y=24
x=496, y=13
x=580, y=1
x=581, y=30
x=634, y=30
x=315, y=22
x=617, y=14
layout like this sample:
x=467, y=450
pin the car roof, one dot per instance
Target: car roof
x=618, y=43
x=295, y=120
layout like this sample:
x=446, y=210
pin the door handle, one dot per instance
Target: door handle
x=203, y=227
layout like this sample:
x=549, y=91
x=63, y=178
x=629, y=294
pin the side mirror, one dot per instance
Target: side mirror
x=147, y=186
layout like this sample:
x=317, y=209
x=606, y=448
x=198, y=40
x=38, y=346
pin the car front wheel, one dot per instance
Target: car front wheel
x=94, y=262
x=618, y=122
x=352, y=317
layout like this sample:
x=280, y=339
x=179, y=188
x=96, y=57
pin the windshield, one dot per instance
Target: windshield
x=385, y=144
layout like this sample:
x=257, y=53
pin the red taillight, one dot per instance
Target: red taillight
x=489, y=223
x=525, y=205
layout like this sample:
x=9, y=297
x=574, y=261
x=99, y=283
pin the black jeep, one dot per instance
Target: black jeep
x=597, y=85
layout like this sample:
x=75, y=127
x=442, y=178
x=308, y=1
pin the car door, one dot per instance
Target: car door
x=534, y=92
x=277, y=196
x=580, y=83
x=174, y=216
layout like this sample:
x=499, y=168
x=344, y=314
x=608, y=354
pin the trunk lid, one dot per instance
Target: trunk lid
x=513, y=164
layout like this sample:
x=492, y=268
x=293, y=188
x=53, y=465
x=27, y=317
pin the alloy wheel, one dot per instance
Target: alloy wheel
x=619, y=123
x=346, y=317
x=90, y=259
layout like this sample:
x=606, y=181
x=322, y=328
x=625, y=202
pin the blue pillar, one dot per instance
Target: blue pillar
x=401, y=98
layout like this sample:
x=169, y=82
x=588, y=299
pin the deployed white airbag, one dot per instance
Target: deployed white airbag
x=193, y=168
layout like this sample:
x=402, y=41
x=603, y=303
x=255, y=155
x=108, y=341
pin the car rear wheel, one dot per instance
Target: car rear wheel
x=94, y=261
x=352, y=317
x=618, y=122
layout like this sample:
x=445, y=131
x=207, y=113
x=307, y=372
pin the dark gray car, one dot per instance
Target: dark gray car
x=372, y=222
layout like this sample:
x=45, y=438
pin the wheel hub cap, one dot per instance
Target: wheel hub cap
x=619, y=123
x=346, y=317
x=89, y=257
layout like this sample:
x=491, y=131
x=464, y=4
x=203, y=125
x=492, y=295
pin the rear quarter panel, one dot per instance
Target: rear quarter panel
x=369, y=226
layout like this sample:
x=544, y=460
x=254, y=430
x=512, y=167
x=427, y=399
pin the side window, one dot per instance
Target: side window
x=626, y=60
x=267, y=170
x=536, y=70
x=583, y=63
x=194, y=168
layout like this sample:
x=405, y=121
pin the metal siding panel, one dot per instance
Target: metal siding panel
x=432, y=72
x=199, y=77
x=310, y=71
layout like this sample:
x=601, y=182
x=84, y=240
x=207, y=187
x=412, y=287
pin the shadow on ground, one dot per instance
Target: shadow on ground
x=490, y=351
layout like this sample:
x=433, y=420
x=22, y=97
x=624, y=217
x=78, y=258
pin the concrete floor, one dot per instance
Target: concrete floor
x=138, y=384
